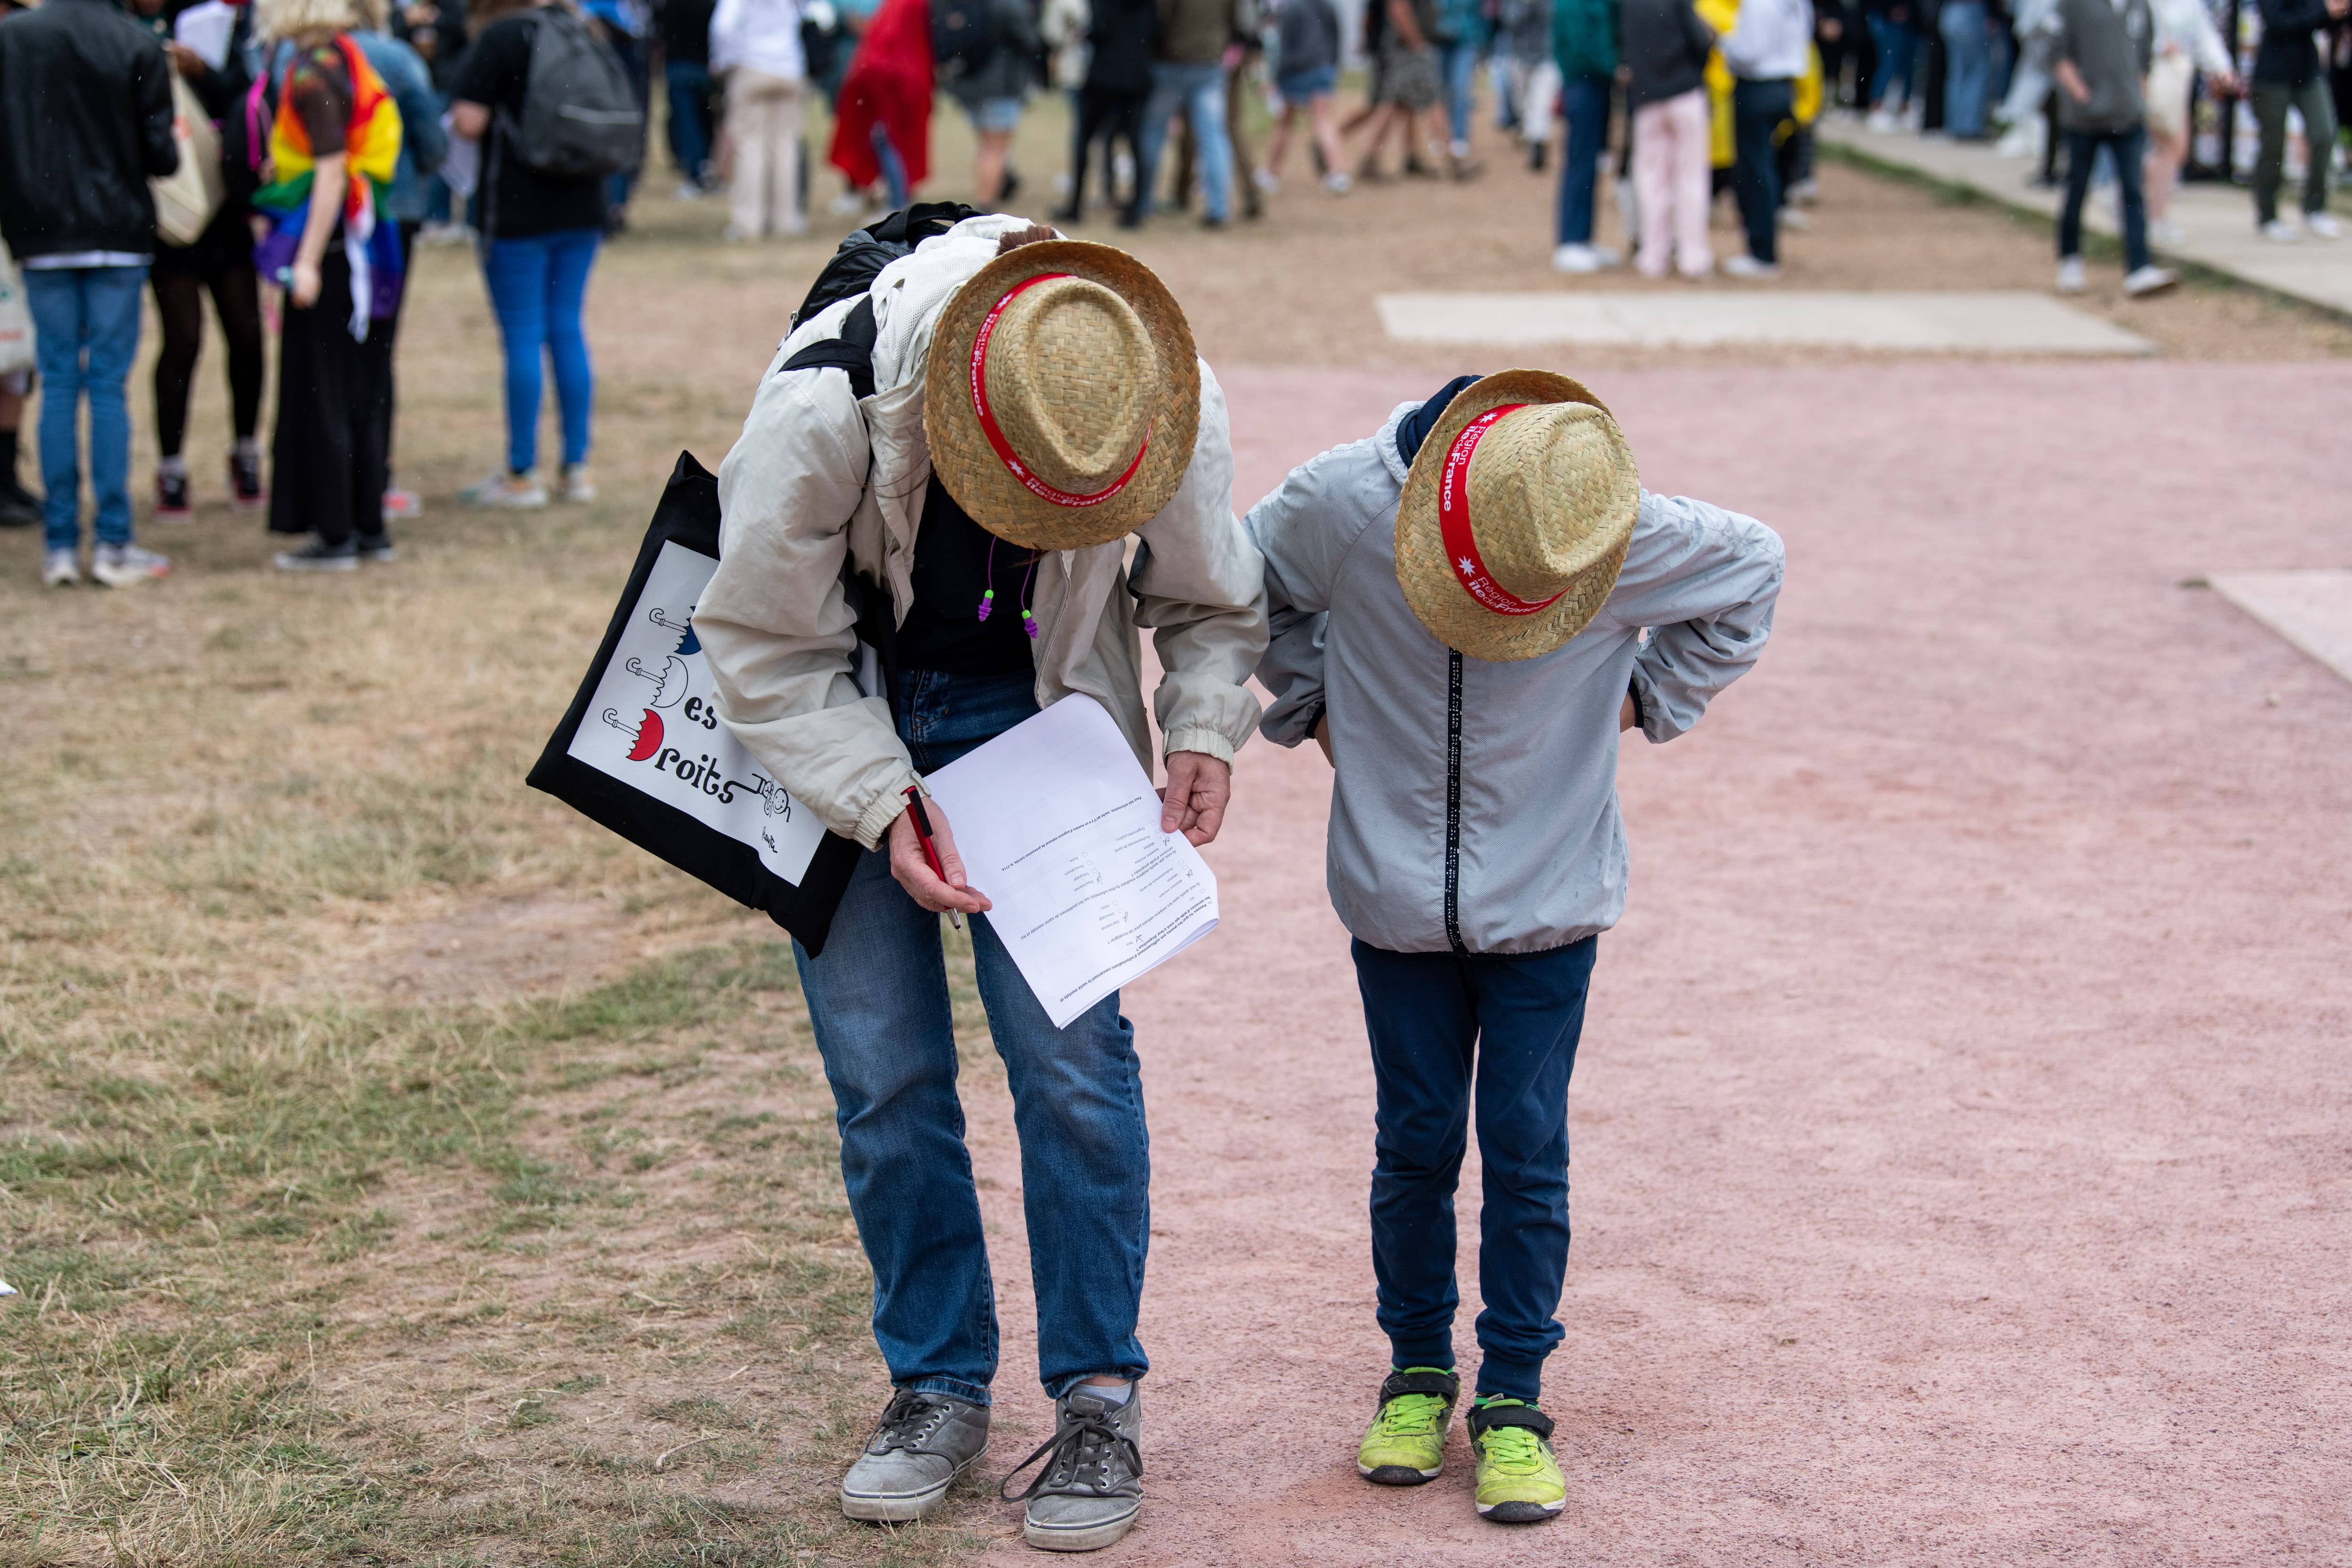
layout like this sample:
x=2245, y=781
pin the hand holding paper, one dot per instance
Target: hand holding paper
x=913, y=869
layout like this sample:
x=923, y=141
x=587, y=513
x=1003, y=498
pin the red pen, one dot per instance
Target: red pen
x=930, y=852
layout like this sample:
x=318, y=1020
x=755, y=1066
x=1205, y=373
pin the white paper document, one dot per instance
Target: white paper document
x=1059, y=827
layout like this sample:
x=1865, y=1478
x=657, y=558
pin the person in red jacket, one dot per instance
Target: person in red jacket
x=884, y=128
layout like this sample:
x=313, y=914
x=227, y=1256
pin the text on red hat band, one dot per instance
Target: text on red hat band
x=1453, y=523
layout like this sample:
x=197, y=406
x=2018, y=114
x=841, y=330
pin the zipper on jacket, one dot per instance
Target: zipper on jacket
x=1454, y=806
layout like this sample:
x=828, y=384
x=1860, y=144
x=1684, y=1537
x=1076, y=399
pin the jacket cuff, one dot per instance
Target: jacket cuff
x=1199, y=738
x=885, y=811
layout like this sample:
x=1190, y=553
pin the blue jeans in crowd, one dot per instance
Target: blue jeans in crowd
x=1757, y=109
x=689, y=117
x=1585, y=104
x=1967, y=72
x=537, y=286
x=85, y=322
x=2129, y=149
x=1896, y=45
x=1441, y=1023
x=1460, y=65
x=1200, y=91
x=893, y=167
x=878, y=999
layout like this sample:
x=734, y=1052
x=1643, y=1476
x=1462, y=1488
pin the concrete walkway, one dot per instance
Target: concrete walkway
x=2219, y=219
x=1988, y=320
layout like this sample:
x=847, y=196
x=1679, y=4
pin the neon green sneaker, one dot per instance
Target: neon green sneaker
x=1405, y=1444
x=1519, y=1480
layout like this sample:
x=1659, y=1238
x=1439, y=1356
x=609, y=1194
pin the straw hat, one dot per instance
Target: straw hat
x=1062, y=396
x=1516, y=516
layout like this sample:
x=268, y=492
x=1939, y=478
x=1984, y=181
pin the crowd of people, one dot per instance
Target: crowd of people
x=2110, y=92
x=422, y=114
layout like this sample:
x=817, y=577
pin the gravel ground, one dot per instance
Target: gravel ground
x=1961, y=1127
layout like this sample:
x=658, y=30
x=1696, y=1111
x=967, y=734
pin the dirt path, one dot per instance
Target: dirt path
x=1960, y=1129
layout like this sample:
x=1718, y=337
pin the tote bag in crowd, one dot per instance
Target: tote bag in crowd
x=15, y=318
x=186, y=199
x=642, y=750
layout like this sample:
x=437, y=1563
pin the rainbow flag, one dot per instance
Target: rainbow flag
x=371, y=150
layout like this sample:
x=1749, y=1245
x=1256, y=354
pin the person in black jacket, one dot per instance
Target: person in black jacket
x=85, y=123
x=1122, y=35
x=2287, y=76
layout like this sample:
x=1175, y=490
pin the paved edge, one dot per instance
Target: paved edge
x=2258, y=595
x=1876, y=162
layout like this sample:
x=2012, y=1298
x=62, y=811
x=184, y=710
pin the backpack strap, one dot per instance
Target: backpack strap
x=852, y=351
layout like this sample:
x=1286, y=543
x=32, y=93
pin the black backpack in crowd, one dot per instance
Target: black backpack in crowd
x=580, y=119
x=962, y=35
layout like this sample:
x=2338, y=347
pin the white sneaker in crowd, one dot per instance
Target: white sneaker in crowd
x=60, y=569
x=1576, y=258
x=1262, y=178
x=1790, y=218
x=575, y=485
x=1805, y=192
x=505, y=490
x=1879, y=121
x=1749, y=266
x=849, y=203
x=2280, y=232
x=2070, y=275
x=2163, y=231
x=127, y=565
x=2150, y=279
x=2322, y=226
x=401, y=503
x=687, y=190
x=1339, y=182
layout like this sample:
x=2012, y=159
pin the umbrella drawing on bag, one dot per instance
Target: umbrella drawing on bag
x=689, y=643
x=647, y=734
x=670, y=680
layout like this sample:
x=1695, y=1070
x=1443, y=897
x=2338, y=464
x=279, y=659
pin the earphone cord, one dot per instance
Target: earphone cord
x=988, y=596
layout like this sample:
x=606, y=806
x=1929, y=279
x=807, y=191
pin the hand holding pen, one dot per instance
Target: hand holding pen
x=923, y=859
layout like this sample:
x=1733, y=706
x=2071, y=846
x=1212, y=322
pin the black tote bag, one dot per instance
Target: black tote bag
x=641, y=749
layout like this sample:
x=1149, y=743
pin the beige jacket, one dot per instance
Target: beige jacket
x=820, y=475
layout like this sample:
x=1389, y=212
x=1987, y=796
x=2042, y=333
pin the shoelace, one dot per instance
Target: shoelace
x=1081, y=1453
x=909, y=1419
x=1513, y=1448
x=1411, y=1415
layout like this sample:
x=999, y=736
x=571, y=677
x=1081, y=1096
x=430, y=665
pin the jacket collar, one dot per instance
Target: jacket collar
x=910, y=293
x=1385, y=443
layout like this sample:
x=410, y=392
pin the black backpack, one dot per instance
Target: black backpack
x=962, y=35
x=580, y=119
x=868, y=250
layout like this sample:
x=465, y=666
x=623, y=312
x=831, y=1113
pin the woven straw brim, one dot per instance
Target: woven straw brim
x=961, y=456
x=1598, y=515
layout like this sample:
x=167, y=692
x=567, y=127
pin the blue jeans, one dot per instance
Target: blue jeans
x=86, y=324
x=689, y=117
x=537, y=286
x=1460, y=65
x=1439, y=1023
x=1897, y=45
x=878, y=999
x=893, y=167
x=1585, y=104
x=1758, y=108
x=1199, y=90
x=1968, y=72
x=2129, y=149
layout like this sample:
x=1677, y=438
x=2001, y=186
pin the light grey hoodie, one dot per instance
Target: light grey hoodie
x=1515, y=845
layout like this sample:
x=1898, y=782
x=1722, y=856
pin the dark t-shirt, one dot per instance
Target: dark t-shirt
x=522, y=201
x=319, y=85
x=954, y=565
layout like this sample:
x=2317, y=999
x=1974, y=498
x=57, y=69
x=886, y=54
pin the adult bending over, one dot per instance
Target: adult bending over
x=867, y=498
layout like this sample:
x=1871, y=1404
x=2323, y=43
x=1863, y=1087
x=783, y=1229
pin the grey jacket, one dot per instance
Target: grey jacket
x=2110, y=43
x=1517, y=845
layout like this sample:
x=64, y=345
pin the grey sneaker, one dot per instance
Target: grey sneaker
x=923, y=1444
x=127, y=565
x=1091, y=1488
